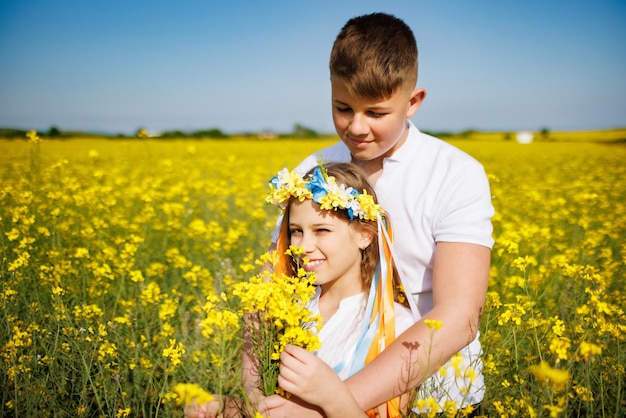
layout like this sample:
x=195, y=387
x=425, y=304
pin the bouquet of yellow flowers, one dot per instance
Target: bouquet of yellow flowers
x=274, y=307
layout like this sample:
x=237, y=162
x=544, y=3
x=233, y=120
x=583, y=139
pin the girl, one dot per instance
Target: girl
x=332, y=214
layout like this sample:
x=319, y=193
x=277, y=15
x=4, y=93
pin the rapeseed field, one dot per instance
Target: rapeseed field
x=117, y=259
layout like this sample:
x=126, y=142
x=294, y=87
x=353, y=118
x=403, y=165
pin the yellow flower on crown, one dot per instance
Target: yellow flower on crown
x=369, y=208
x=323, y=190
x=287, y=184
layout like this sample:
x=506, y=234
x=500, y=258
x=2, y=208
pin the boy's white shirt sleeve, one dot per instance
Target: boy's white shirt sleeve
x=464, y=211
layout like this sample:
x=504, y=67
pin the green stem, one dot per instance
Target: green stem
x=161, y=392
x=91, y=383
x=618, y=401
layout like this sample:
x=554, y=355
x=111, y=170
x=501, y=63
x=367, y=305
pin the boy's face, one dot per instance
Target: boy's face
x=373, y=128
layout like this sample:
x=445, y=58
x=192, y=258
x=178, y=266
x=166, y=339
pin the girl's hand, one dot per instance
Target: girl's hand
x=310, y=379
x=306, y=376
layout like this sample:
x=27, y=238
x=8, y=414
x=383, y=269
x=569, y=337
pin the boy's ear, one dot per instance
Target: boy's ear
x=415, y=101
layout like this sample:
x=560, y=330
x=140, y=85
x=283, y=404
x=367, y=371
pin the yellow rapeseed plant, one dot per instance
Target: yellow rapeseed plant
x=119, y=260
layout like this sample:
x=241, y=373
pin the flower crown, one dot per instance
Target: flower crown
x=323, y=190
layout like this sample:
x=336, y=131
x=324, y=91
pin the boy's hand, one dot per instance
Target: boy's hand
x=207, y=410
x=222, y=406
x=276, y=406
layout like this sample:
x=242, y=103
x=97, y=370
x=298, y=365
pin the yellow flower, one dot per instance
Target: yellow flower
x=555, y=411
x=174, y=352
x=433, y=324
x=295, y=251
x=151, y=294
x=136, y=276
x=588, y=350
x=277, y=304
x=428, y=406
x=499, y=407
x=22, y=260
x=145, y=363
x=513, y=313
x=167, y=330
x=470, y=374
x=287, y=184
x=88, y=312
x=522, y=262
x=456, y=361
x=123, y=320
x=369, y=208
x=188, y=393
x=33, y=137
x=450, y=407
x=584, y=393
x=224, y=321
x=560, y=347
x=556, y=378
x=168, y=309
x=107, y=349
x=559, y=327
x=467, y=410
x=121, y=413
x=81, y=253
x=13, y=234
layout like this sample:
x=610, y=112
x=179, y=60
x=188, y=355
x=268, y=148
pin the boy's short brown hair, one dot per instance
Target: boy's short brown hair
x=375, y=55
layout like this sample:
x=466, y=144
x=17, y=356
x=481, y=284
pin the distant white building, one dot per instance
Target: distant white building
x=524, y=137
x=267, y=135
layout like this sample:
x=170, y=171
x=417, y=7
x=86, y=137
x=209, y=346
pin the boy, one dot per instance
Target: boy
x=440, y=205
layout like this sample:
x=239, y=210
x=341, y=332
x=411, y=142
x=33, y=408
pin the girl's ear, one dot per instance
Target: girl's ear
x=365, y=238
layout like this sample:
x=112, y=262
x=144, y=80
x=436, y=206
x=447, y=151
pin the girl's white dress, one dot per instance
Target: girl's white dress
x=340, y=333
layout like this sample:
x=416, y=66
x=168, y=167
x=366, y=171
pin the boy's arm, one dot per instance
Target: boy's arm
x=460, y=278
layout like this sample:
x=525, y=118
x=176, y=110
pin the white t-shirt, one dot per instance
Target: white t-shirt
x=433, y=192
x=340, y=333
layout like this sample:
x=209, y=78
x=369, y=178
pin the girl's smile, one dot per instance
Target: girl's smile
x=312, y=265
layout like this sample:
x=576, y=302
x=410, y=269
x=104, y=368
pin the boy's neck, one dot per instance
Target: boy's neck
x=372, y=168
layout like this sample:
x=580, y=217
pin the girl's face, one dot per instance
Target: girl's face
x=331, y=244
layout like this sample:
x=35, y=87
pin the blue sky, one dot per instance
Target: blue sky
x=117, y=65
